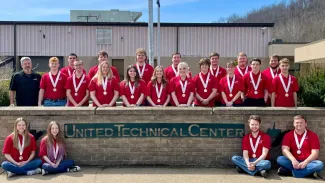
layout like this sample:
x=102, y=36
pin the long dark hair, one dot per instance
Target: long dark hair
x=128, y=78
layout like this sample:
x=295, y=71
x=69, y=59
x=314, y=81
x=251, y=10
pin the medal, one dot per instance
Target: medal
x=104, y=85
x=231, y=86
x=230, y=95
x=141, y=72
x=183, y=95
x=183, y=87
x=21, y=148
x=240, y=72
x=211, y=70
x=132, y=89
x=69, y=72
x=105, y=93
x=174, y=70
x=272, y=73
x=55, y=152
x=158, y=100
x=158, y=92
x=21, y=158
x=299, y=145
x=254, y=147
x=205, y=84
x=54, y=83
x=255, y=86
x=76, y=88
x=132, y=96
x=286, y=88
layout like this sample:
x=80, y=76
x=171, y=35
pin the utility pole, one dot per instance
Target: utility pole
x=158, y=34
x=150, y=32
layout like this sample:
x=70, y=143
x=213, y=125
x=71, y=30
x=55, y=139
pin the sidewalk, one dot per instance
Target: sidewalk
x=153, y=175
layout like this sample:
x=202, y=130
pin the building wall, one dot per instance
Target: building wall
x=183, y=151
x=283, y=49
x=6, y=40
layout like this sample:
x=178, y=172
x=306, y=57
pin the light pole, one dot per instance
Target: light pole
x=150, y=32
x=158, y=34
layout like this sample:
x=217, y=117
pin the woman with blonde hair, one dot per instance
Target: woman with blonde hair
x=182, y=88
x=19, y=150
x=52, y=152
x=103, y=87
x=158, y=88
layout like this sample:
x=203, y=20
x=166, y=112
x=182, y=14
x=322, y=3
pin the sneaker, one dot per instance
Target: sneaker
x=73, y=169
x=263, y=173
x=284, y=172
x=10, y=174
x=34, y=172
x=239, y=170
x=44, y=172
x=313, y=175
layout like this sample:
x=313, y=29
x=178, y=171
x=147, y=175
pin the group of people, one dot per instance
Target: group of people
x=300, y=149
x=235, y=85
x=20, y=147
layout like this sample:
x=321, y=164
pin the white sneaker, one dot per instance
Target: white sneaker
x=10, y=174
x=34, y=172
x=74, y=169
x=44, y=172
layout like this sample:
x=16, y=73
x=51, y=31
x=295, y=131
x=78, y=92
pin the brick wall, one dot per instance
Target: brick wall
x=210, y=152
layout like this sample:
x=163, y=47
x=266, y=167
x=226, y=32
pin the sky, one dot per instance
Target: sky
x=187, y=11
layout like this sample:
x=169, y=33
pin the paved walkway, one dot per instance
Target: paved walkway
x=153, y=175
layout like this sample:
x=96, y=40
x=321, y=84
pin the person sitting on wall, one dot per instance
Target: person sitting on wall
x=68, y=70
x=182, y=87
x=52, y=151
x=256, y=146
x=19, y=150
x=52, y=86
x=158, y=88
x=145, y=70
x=172, y=70
x=104, y=87
x=132, y=89
x=218, y=72
x=284, y=87
x=206, y=85
x=231, y=87
x=103, y=56
x=300, y=148
x=77, y=86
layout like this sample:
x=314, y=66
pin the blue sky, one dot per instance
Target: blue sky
x=171, y=10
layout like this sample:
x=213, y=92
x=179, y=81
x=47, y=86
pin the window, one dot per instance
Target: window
x=104, y=36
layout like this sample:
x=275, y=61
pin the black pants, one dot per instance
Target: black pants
x=252, y=102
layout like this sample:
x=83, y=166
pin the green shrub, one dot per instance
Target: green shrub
x=312, y=88
x=4, y=93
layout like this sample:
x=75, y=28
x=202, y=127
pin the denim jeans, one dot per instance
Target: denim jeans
x=261, y=165
x=10, y=167
x=60, y=102
x=312, y=167
x=63, y=166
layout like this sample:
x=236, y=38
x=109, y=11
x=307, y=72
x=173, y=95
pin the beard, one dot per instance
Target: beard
x=274, y=67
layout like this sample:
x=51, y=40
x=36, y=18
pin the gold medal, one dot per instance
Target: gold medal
x=287, y=94
x=132, y=96
x=158, y=100
x=254, y=155
x=183, y=95
x=54, y=89
x=76, y=94
x=230, y=95
x=105, y=93
x=255, y=92
x=21, y=158
x=205, y=90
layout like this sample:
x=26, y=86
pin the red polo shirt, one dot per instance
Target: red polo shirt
x=46, y=84
x=93, y=71
x=65, y=70
x=43, y=149
x=222, y=73
x=249, y=88
x=265, y=141
x=8, y=148
x=140, y=89
x=238, y=86
x=112, y=85
x=81, y=92
x=311, y=142
x=281, y=100
x=175, y=86
x=237, y=73
x=147, y=73
x=151, y=91
x=267, y=73
x=199, y=88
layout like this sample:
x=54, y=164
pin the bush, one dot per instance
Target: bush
x=4, y=93
x=312, y=87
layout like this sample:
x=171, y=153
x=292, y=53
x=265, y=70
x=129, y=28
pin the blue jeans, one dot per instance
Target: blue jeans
x=63, y=166
x=262, y=165
x=59, y=102
x=10, y=167
x=312, y=167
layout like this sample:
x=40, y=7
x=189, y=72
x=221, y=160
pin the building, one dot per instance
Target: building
x=41, y=40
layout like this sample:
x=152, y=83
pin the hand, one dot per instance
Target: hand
x=251, y=166
x=77, y=105
x=54, y=165
x=12, y=105
x=302, y=165
x=23, y=163
x=100, y=105
x=229, y=104
x=106, y=105
x=205, y=101
x=295, y=164
x=19, y=164
x=132, y=105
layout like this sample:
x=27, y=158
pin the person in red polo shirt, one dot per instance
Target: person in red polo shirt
x=231, y=87
x=242, y=67
x=133, y=89
x=182, y=88
x=158, y=88
x=19, y=150
x=145, y=70
x=68, y=70
x=52, y=87
x=284, y=87
x=271, y=72
x=171, y=71
x=256, y=85
x=53, y=152
x=77, y=86
x=206, y=85
x=218, y=72
x=104, y=87
x=300, y=148
x=103, y=56
x=256, y=146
